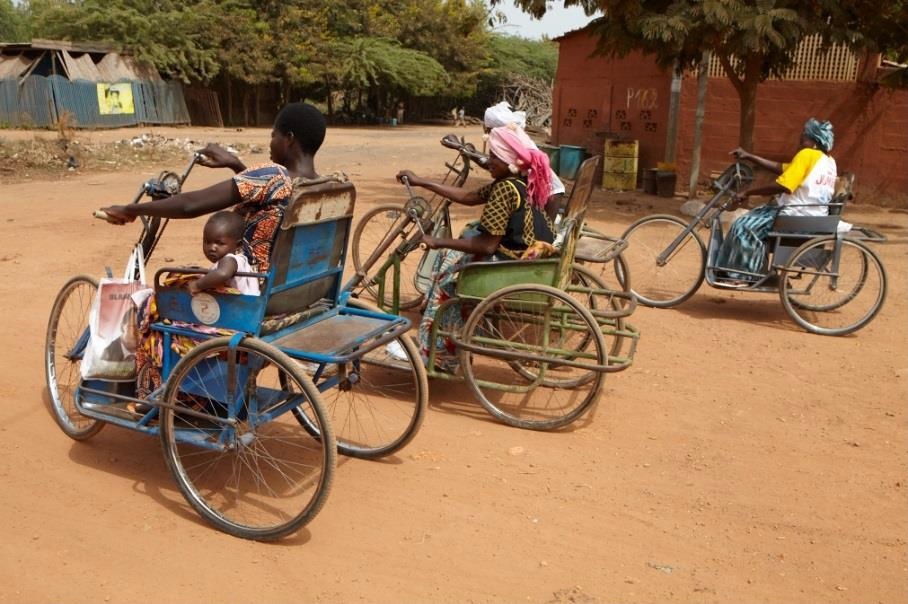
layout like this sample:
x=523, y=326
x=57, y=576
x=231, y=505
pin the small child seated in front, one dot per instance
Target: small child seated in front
x=221, y=242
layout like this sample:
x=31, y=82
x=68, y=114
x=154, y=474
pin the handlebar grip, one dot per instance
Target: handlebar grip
x=102, y=215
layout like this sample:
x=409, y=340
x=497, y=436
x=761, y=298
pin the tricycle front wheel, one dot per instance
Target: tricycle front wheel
x=664, y=273
x=67, y=337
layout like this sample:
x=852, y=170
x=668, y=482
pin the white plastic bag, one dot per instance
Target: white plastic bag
x=111, y=350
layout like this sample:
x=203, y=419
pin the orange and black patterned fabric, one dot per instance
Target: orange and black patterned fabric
x=265, y=192
x=507, y=214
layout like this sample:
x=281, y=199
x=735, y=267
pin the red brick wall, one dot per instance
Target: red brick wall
x=629, y=97
x=870, y=124
x=595, y=98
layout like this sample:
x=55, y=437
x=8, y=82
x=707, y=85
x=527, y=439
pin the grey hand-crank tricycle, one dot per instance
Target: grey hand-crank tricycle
x=829, y=280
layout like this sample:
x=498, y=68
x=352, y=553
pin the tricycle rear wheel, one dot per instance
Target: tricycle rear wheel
x=233, y=445
x=530, y=354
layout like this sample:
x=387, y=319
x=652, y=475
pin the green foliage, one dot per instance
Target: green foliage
x=532, y=58
x=767, y=31
x=13, y=23
x=380, y=51
x=382, y=64
x=509, y=57
x=169, y=35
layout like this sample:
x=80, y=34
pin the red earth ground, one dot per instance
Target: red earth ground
x=740, y=459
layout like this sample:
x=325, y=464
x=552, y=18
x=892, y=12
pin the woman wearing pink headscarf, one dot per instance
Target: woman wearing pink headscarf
x=513, y=219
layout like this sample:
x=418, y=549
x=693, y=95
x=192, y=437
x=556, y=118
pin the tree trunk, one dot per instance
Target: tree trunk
x=229, y=101
x=748, y=95
x=748, y=116
x=702, y=80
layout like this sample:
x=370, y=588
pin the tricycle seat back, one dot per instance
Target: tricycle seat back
x=307, y=261
x=307, y=264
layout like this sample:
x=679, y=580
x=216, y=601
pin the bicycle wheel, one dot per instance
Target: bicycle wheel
x=369, y=233
x=524, y=357
x=380, y=402
x=674, y=280
x=67, y=336
x=833, y=287
x=232, y=444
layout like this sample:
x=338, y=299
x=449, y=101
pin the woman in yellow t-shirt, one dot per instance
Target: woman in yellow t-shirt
x=804, y=188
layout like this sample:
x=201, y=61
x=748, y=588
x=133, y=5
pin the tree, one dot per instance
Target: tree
x=13, y=23
x=753, y=39
x=171, y=36
x=515, y=62
x=381, y=70
x=878, y=26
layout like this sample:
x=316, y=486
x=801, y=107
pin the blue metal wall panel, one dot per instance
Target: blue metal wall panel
x=38, y=100
x=80, y=98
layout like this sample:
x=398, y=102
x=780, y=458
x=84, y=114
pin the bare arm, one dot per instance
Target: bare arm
x=483, y=244
x=455, y=194
x=216, y=156
x=219, y=196
x=766, y=164
x=222, y=273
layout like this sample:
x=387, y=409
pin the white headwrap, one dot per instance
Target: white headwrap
x=501, y=115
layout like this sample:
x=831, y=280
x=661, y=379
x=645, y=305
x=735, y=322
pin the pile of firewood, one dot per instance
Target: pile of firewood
x=534, y=96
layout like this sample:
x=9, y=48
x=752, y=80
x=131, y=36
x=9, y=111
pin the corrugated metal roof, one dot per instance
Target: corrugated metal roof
x=78, y=63
x=13, y=66
x=81, y=67
x=41, y=44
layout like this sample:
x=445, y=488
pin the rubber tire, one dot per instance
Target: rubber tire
x=246, y=454
x=478, y=321
x=800, y=311
x=346, y=422
x=641, y=260
x=63, y=332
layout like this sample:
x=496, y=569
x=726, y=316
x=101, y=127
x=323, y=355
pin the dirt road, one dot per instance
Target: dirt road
x=739, y=460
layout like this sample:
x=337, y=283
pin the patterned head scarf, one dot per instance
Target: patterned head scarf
x=511, y=145
x=821, y=133
x=501, y=115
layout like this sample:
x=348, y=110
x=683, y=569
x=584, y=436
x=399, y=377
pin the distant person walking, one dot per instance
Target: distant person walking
x=454, y=116
x=460, y=116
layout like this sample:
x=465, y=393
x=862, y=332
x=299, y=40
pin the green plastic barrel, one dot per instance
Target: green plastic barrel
x=569, y=161
x=554, y=154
